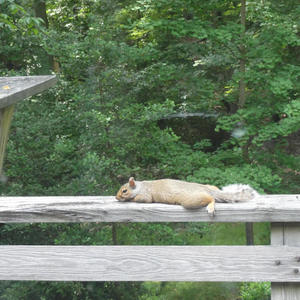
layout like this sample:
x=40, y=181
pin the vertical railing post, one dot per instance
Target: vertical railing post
x=286, y=234
x=13, y=90
x=5, y=120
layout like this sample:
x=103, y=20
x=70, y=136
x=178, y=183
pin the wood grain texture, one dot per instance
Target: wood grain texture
x=6, y=114
x=148, y=263
x=271, y=208
x=15, y=89
x=286, y=234
x=285, y=291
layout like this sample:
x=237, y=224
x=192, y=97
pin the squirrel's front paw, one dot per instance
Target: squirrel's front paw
x=210, y=209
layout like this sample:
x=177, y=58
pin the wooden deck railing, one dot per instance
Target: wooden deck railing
x=278, y=262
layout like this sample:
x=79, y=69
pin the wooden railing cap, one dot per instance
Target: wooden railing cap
x=266, y=208
x=15, y=89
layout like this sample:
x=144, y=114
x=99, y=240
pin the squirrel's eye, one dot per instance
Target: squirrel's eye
x=124, y=191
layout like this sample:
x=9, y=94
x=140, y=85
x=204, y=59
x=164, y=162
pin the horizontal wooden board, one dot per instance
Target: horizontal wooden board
x=14, y=89
x=150, y=263
x=271, y=208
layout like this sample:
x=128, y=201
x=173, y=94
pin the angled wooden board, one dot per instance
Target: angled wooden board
x=149, y=263
x=267, y=208
x=15, y=89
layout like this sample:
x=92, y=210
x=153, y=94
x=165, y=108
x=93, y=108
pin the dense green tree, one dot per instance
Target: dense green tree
x=123, y=67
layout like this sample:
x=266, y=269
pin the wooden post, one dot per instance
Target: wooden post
x=286, y=234
x=6, y=114
x=13, y=90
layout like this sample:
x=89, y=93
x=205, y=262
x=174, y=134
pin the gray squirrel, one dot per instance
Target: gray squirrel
x=188, y=194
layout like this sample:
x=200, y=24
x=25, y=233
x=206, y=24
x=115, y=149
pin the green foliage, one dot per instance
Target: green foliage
x=70, y=290
x=189, y=290
x=20, y=38
x=256, y=291
x=125, y=65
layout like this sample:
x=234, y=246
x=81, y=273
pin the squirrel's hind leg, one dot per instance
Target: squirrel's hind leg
x=211, y=208
x=200, y=200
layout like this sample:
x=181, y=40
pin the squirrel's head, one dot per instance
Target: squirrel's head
x=127, y=191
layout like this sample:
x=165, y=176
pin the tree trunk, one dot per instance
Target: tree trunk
x=114, y=233
x=41, y=12
x=242, y=84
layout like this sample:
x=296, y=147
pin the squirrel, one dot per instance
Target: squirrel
x=188, y=194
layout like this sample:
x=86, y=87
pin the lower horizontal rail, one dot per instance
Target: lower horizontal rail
x=150, y=263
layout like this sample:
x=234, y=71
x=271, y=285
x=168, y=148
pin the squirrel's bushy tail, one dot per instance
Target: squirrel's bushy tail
x=235, y=193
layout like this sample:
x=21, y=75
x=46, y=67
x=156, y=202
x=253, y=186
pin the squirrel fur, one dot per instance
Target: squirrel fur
x=188, y=194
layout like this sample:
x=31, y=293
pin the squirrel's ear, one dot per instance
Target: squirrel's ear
x=131, y=182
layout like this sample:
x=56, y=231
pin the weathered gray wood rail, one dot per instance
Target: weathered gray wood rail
x=271, y=208
x=150, y=263
x=278, y=262
x=15, y=89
